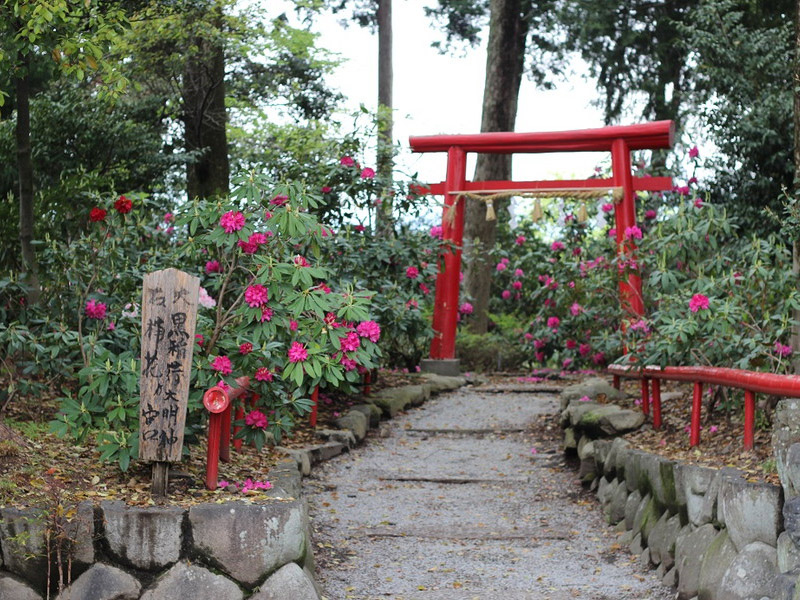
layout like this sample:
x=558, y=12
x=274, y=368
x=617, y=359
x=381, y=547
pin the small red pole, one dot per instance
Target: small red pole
x=646, y=396
x=367, y=381
x=225, y=435
x=697, y=403
x=314, y=399
x=656, y=404
x=749, y=418
x=216, y=401
x=616, y=382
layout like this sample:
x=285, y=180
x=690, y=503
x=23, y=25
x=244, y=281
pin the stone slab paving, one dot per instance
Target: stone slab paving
x=437, y=508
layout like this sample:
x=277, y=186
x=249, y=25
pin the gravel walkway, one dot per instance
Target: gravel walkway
x=449, y=502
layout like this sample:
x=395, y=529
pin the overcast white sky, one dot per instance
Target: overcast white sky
x=436, y=93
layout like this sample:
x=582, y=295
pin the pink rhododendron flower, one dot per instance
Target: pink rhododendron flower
x=501, y=266
x=222, y=364
x=713, y=429
x=257, y=419
x=534, y=451
x=505, y=260
x=280, y=200
x=293, y=325
x=247, y=247
x=232, y=221
x=213, y=266
x=633, y=233
x=640, y=325
x=553, y=322
x=539, y=344
x=556, y=246
x=348, y=363
x=599, y=358
x=698, y=302
x=266, y=314
x=694, y=152
x=205, y=300
x=424, y=289
x=367, y=173
x=566, y=363
x=612, y=232
x=576, y=251
x=359, y=228
x=199, y=339
x=300, y=261
x=437, y=231
x=650, y=214
x=506, y=294
x=412, y=272
x=325, y=189
x=256, y=295
x=517, y=285
x=297, y=352
x=539, y=356
x=520, y=240
x=111, y=326
x=370, y=330
x=608, y=207
x=575, y=309
x=350, y=342
x=95, y=309
x=465, y=308
x=528, y=337
x=169, y=217
x=698, y=203
x=412, y=303
x=683, y=190
x=571, y=344
x=245, y=348
x=264, y=374
x=584, y=349
x=584, y=399
x=519, y=273
x=347, y=161
x=782, y=350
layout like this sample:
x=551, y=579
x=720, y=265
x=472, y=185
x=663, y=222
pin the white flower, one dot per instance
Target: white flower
x=206, y=300
x=131, y=311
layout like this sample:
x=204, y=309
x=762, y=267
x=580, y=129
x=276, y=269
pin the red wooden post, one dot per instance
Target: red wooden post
x=314, y=399
x=225, y=439
x=749, y=418
x=656, y=404
x=216, y=401
x=625, y=216
x=646, y=396
x=237, y=442
x=616, y=382
x=367, y=381
x=445, y=312
x=697, y=404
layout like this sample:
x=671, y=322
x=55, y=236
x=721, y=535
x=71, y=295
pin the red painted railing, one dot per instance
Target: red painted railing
x=751, y=382
x=217, y=401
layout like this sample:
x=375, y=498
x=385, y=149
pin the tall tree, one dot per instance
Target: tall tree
x=520, y=31
x=77, y=36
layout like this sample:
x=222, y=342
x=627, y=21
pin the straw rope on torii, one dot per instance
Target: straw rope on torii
x=489, y=196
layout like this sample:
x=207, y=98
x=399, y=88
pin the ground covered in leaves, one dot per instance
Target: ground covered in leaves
x=37, y=468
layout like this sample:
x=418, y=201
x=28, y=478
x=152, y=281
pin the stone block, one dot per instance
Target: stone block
x=647, y=516
x=788, y=554
x=692, y=483
x=661, y=540
x=80, y=529
x=354, y=421
x=443, y=383
x=586, y=449
x=784, y=586
x=670, y=578
x=570, y=443
x=644, y=559
x=595, y=388
x=575, y=411
x=604, y=490
x=791, y=519
x=103, y=582
x=617, y=502
x=23, y=543
x=631, y=506
x=785, y=440
x=392, y=400
x=301, y=457
x=16, y=589
x=285, y=479
x=192, y=582
x=371, y=412
x=609, y=420
x=289, y=582
x=751, y=511
x=636, y=547
x=621, y=459
x=690, y=547
x=249, y=541
x=633, y=470
x=716, y=560
x=344, y=437
x=751, y=574
x=587, y=471
x=709, y=511
x=611, y=462
x=449, y=367
x=145, y=537
x=326, y=451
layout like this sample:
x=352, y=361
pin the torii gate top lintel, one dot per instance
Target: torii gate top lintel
x=619, y=140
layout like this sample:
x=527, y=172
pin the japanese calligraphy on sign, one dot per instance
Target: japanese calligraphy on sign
x=169, y=314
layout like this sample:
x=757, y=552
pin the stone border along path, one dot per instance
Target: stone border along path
x=448, y=502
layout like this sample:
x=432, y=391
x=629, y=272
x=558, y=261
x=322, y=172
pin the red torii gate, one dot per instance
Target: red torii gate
x=619, y=140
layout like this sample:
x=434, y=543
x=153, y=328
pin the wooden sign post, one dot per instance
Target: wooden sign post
x=169, y=315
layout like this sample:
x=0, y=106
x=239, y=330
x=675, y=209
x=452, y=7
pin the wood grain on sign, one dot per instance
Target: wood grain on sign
x=169, y=315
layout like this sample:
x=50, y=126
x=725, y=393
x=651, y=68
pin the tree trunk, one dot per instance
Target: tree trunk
x=25, y=174
x=384, y=222
x=795, y=341
x=205, y=118
x=505, y=59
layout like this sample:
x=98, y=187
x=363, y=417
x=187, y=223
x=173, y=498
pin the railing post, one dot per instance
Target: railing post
x=216, y=401
x=645, y=396
x=656, y=404
x=697, y=404
x=314, y=399
x=367, y=381
x=225, y=435
x=237, y=441
x=616, y=383
x=749, y=418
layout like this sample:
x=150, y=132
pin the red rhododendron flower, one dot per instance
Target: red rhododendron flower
x=97, y=214
x=412, y=272
x=246, y=348
x=256, y=295
x=264, y=374
x=257, y=419
x=95, y=309
x=123, y=205
x=222, y=364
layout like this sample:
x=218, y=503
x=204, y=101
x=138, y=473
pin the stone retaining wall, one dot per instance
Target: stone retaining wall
x=211, y=551
x=709, y=532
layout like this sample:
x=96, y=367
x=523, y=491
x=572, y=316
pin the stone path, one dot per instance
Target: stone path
x=449, y=502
